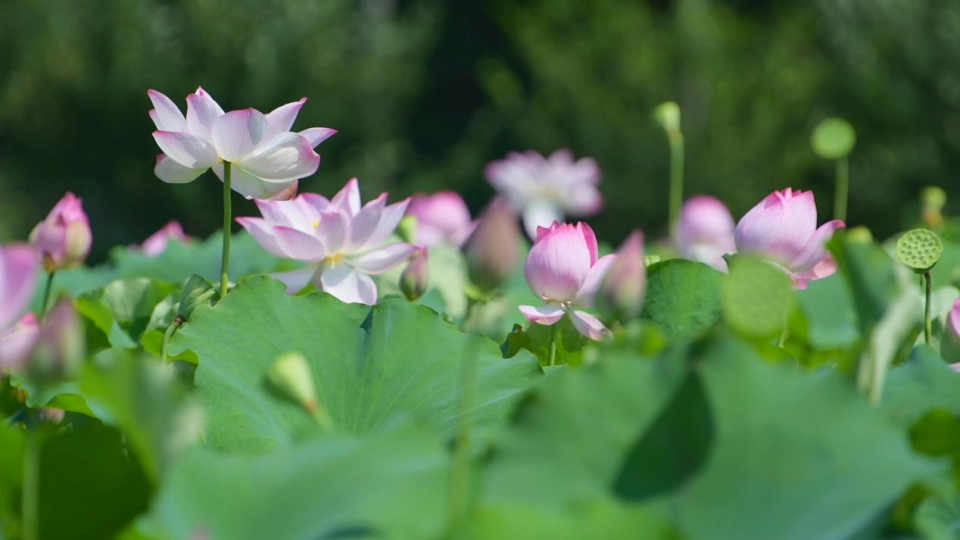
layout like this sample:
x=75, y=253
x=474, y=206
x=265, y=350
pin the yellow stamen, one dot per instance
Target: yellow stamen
x=315, y=223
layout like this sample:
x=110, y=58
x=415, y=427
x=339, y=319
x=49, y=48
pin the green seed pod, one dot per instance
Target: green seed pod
x=833, y=138
x=919, y=249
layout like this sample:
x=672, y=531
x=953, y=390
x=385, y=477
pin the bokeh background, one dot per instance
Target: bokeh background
x=426, y=92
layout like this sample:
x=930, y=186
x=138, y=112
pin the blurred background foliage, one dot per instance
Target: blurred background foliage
x=425, y=93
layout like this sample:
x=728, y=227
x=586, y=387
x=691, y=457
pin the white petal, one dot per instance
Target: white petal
x=389, y=220
x=237, y=133
x=318, y=135
x=589, y=325
x=263, y=233
x=172, y=172
x=383, y=259
x=250, y=186
x=281, y=119
x=299, y=245
x=545, y=315
x=332, y=230
x=202, y=111
x=364, y=224
x=590, y=285
x=166, y=115
x=287, y=156
x=540, y=214
x=348, y=198
x=296, y=280
x=186, y=149
x=350, y=286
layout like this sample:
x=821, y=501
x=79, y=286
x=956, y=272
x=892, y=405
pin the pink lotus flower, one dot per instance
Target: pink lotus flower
x=544, y=190
x=563, y=269
x=19, y=264
x=64, y=237
x=343, y=242
x=17, y=342
x=621, y=292
x=783, y=228
x=157, y=242
x=442, y=218
x=705, y=231
x=266, y=156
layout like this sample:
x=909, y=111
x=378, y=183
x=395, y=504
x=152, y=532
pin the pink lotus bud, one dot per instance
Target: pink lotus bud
x=560, y=261
x=705, y=231
x=416, y=276
x=783, y=228
x=441, y=218
x=18, y=274
x=493, y=248
x=59, y=351
x=156, y=244
x=621, y=293
x=64, y=237
x=950, y=341
x=17, y=342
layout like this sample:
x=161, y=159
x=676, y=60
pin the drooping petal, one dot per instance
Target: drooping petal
x=299, y=245
x=318, y=134
x=296, y=280
x=545, y=315
x=287, y=156
x=167, y=115
x=363, y=225
x=540, y=214
x=348, y=285
x=202, y=111
x=389, y=220
x=188, y=150
x=281, y=119
x=589, y=288
x=588, y=325
x=262, y=232
x=333, y=230
x=383, y=259
x=348, y=198
x=237, y=133
x=172, y=172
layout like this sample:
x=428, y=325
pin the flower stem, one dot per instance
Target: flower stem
x=31, y=485
x=225, y=258
x=676, y=178
x=167, y=336
x=926, y=309
x=843, y=188
x=460, y=474
x=46, y=295
x=553, y=343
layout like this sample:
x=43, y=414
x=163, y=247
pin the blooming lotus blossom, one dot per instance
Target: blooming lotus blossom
x=493, y=248
x=19, y=264
x=18, y=341
x=266, y=157
x=621, y=292
x=342, y=241
x=563, y=269
x=64, y=237
x=783, y=229
x=544, y=190
x=442, y=218
x=157, y=242
x=705, y=231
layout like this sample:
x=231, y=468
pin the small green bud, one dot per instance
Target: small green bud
x=919, y=249
x=197, y=291
x=667, y=114
x=932, y=201
x=290, y=374
x=833, y=138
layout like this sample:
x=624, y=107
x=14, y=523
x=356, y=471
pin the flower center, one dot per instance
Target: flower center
x=335, y=258
x=315, y=224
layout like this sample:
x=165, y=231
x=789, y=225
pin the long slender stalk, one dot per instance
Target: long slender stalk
x=926, y=309
x=225, y=258
x=31, y=485
x=460, y=474
x=46, y=295
x=676, y=178
x=553, y=343
x=843, y=189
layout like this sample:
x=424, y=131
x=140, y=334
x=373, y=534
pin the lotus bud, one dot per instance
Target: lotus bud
x=620, y=297
x=64, y=237
x=442, y=217
x=492, y=249
x=416, y=276
x=59, y=352
x=197, y=291
x=290, y=374
x=667, y=114
x=950, y=341
x=17, y=342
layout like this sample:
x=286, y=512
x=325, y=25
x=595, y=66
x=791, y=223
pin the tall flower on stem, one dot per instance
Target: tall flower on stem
x=63, y=239
x=254, y=154
x=783, y=229
x=544, y=190
x=563, y=269
x=343, y=242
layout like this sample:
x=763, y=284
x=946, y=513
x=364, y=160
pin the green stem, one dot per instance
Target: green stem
x=225, y=258
x=553, y=343
x=460, y=474
x=31, y=485
x=167, y=336
x=46, y=295
x=843, y=188
x=676, y=178
x=926, y=309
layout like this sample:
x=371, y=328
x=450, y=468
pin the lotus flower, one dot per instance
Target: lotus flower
x=266, y=157
x=18, y=341
x=563, y=270
x=442, y=218
x=705, y=231
x=544, y=190
x=492, y=250
x=19, y=264
x=157, y=242
x=64, y=237
x=621, y=292
x=783, y=229
x=343, y=242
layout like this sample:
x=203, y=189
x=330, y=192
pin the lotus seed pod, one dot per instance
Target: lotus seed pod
x=833, y=138
x=919, y=249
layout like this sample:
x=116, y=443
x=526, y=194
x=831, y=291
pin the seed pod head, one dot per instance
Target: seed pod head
x=919, y=249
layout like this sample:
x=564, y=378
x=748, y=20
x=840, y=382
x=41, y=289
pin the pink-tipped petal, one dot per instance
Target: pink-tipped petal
x=188, y=150
x=298, y=245
x=263, y=233
x=318, y=135
x=779, y=226
x=545, y=315
x=589, y=326
x=167, y=116
x=348, y=198
x=389, y=220
x=333, y=230
x=348, y=285
x=814, y=251
x=19, y=265
x=589, y=288
x=383, y=259
x=281, y=119
x=296, y=280
x=172, y=172
x=286, y=157
x=364, y=224
x=237, y=133
x=591, y=239
x=202, y=111
x=558, y=263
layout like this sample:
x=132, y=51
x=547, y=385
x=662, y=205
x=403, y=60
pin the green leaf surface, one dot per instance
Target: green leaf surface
x=938, y=517
x=368, y=363
x=830, y=314
x=683, y=297
x=536, y=339
x=123, y=309
x=756, y=297
x=921, y=384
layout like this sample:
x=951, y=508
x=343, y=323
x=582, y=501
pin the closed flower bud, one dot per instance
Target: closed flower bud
x=416, y=276
x=64, y=237
x=59, y=352
x=492, y=251
x=667, y=114
x=620, y=296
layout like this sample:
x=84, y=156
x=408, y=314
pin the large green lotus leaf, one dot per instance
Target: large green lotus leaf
x=921, y=384
x=11, y=467
x=389, y=484
x=683, y=297
x=367, y=363
x=797, y=455
x=869, y=274
x=938, y=517
x=831, y=319
x=122, y=310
